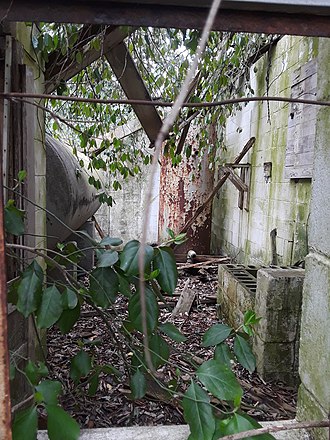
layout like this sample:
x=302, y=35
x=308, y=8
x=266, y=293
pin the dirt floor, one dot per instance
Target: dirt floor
x=112, y=406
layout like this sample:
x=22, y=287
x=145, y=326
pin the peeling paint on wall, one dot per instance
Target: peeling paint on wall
x=183, y=188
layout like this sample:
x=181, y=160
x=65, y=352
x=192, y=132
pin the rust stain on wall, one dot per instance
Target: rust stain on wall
x=182, y=189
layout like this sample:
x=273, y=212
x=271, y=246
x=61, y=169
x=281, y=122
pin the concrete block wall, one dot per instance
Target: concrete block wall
x=314, y=358
x=280, y=203
x=275, y=295
x=236, y=292
x=276, y=343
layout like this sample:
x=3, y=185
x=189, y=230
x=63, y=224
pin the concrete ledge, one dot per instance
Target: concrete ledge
x=170, y=432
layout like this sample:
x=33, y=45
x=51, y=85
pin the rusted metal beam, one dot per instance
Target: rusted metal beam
x=5, y=412
x=57, y=71
x=300, y=21
x=130, y=80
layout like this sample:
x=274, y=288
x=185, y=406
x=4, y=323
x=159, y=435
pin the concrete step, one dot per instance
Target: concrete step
x=170, y=432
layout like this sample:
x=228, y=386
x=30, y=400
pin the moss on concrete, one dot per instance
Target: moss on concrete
x=309, y=409
x=270, y=146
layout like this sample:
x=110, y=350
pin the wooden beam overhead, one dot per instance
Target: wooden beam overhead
x=300, y=17
x=131, y=82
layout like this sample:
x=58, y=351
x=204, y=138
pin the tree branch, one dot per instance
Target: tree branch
x=277, y=428
x=167, y=124
x=156, y=103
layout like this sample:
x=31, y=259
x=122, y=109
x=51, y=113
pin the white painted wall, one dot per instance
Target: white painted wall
x=125, y=218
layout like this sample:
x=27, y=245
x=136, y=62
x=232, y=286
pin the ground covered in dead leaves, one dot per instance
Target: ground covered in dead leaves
x=111, y=405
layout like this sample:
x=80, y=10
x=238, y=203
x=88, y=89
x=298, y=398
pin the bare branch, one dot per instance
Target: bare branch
x=277, y=428
x=167, y=124
x=19, y=95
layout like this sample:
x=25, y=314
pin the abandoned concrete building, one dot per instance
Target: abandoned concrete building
x=270, y=216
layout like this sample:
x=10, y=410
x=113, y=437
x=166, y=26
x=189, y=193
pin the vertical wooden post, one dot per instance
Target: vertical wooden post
x=5, y=412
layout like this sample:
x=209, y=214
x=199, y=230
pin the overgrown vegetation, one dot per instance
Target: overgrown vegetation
x=162, y=57
x=117, y=273
x=223, y=73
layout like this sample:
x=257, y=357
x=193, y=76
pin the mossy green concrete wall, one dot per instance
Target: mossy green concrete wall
x=280, y=203
x=314, y=356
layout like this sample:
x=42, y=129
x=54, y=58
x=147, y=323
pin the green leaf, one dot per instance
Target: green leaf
x=219, y=380
x=247, y=329
x=69, y=299
x=13, y=220
x=103, y=286
x=35, y=371
x=26, y=424
x=170, y=233
x=216, y=334
x=93, y=384
x=170, y=330
x=21, y=175
x=72, y=252
x=160, y=351
x=153, y=275
x=124, y=286
x=108, y=258
x=138, y=385
x=236, y=423
x=29, y=289
x=49, y=391
x=81, y=365
x=223, y=354
x=60, y=425
x=129, y=258
x=244, y=353
x=110, y=369
x=79, y=57
x=111, y=241
x=12, y=371
x=181, y=238
x=68, y=319
x=168, y=274
x=50, y=308
x=198, y=413
x=134, y=310
x=250, y=318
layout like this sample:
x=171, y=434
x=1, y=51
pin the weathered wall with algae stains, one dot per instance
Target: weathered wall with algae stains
x=278, y=201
